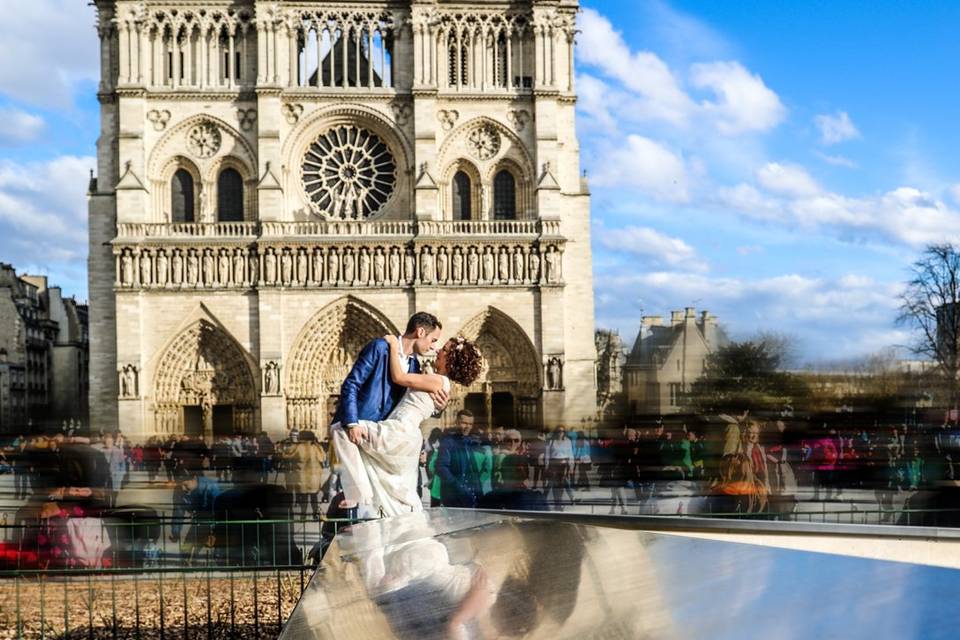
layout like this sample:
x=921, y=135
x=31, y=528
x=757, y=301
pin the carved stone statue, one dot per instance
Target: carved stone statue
x=518, y=270
x=503, y=265
x=364, y=267
x=553, y=265
x=286, y=267
x=317, y=266
x=128, y=381
x=394, y=265
x=239, y=262
x=145, y=279
x=253, y=268
x=193, y=268
x=126, y=269
x=302, y=266
x=270, y=266
x=271, y=379
x=409, y=266
x=426, y=266
x=554, y=374
x=457, y=274
x=162, y=266
x=379, y=266
x=488, y=274
x=443, y=261
x=225, y=271
x=208, y=274
x=348, y=264
x=176, y=264
x=534, y=266
x=333, y=267
x=473, y=266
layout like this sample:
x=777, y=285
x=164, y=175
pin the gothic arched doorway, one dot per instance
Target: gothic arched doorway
x=322, y=357
x=204, y=384
x=508, y=389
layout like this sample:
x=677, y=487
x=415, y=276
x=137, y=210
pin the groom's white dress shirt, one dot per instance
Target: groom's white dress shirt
x=405, y=359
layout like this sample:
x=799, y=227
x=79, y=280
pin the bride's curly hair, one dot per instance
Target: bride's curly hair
x=464, y=362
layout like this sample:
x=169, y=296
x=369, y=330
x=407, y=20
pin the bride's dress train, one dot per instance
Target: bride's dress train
x=381, y=475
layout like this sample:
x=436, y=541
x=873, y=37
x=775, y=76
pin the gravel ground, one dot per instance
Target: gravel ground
x=261, y=602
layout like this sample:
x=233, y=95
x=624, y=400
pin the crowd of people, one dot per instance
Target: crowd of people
x=736, y=465
x=728, y=465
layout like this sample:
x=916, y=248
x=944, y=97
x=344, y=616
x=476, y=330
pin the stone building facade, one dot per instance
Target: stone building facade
x=280, y=182
x=611, y=357
x=666, y=359
x=43, y=354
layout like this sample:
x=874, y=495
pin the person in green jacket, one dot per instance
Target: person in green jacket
x=483, y=459
x=433, y=452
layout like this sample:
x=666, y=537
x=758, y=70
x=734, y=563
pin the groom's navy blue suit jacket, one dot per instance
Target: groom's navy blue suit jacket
x=367, y=393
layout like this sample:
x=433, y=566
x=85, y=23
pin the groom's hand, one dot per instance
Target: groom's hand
x=440, y=399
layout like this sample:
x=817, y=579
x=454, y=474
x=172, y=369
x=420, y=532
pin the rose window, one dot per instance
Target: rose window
x=348, y=173
x=203, y=140
x=484, y=141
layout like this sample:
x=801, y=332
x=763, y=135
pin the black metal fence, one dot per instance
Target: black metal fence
x=165, y=578
x=212, y=579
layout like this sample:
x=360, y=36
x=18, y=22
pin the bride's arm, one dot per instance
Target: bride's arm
x=417, y=381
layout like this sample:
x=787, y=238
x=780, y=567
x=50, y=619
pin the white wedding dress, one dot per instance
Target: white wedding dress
x=381, y=475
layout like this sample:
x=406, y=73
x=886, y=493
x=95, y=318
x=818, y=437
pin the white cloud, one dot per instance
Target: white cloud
x=787, y=179
x=650, y=243
x=743, y=102
x=904, y=216
x=49, y=46
x=43, y=210
x=836, y=160
x=836, y=128
x=644, y=164
x=17, y=127
x=954, y=192
x=641, y=72
x=844, y=316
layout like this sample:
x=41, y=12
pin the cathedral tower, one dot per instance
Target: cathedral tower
x=279, y=182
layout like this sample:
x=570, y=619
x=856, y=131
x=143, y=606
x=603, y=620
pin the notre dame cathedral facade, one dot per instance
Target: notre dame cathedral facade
x=281, y=181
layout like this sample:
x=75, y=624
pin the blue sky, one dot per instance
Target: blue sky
x=779, y=163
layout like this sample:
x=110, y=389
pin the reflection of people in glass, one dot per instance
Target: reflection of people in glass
x=456, y=594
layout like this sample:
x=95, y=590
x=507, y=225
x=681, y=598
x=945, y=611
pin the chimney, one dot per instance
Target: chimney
x=651, y=321
x=676, y=318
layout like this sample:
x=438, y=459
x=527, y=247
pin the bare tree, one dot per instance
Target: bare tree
x=930, y=304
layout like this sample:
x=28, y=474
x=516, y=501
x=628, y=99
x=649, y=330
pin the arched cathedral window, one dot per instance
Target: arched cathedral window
x=500, y=62
x=181, y=196
x=457, y=66
x=461, y=196
x=504, y=196
x=229, y=196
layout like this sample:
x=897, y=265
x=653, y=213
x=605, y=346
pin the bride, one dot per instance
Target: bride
x=380, y=476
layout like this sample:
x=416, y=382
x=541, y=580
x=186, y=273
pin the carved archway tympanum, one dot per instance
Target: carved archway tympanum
x=203, y=366
x=511, y=363
x=322, y=357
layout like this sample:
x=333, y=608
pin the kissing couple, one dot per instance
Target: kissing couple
x=383, y=400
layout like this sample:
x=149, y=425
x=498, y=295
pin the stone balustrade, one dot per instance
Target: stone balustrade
x=339, y=228
x=179, y=230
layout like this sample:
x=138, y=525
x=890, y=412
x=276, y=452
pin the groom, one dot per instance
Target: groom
x=368, y=393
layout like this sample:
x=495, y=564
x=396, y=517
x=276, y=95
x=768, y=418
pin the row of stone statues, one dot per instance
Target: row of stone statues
x=340, y=266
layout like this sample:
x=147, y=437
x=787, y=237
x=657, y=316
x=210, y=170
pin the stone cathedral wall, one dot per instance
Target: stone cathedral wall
x=372, y=142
